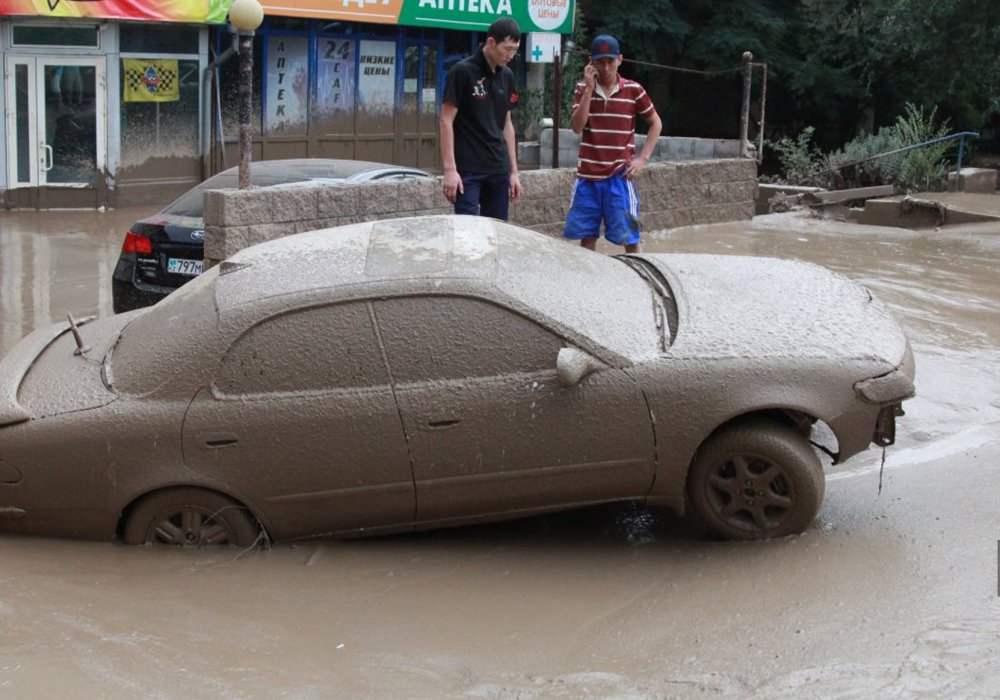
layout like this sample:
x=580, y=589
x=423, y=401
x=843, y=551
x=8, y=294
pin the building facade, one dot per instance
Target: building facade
x=112, y=103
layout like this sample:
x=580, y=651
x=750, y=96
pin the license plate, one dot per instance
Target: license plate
x=180, y=266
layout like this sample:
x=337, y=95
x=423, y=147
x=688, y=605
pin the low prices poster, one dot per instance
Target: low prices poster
x=377, y=76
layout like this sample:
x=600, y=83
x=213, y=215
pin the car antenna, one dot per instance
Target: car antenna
x=80, y=349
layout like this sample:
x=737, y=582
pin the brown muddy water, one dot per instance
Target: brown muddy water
x=892, y=592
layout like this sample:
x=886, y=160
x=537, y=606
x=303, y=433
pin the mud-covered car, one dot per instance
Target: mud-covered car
x=165, y=250
x=435, y=371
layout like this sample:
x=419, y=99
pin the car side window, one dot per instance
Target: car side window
x=322, y=348
x=429, y=338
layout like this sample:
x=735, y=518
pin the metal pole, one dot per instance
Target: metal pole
x=763, y=106
x=961, y=151
x=557, y=100
x=246, y=106
x=745, y=111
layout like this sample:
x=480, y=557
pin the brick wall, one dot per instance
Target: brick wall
x=672, y=194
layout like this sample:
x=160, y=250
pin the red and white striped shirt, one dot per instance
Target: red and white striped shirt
x=608, y=139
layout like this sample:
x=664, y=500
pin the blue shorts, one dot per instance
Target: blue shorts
x=614, y=200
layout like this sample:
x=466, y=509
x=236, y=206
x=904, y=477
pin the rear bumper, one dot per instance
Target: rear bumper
x=127, y=294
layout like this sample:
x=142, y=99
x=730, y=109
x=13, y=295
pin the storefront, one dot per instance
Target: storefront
x=122, y=102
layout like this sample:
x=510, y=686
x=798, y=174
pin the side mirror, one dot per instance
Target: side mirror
x=572, y=365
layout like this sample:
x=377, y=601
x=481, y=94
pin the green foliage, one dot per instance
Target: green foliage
x=844, y=66
x=800, y=160
x=862, y=162
x=923, y=168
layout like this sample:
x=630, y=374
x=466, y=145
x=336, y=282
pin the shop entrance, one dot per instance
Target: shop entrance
x=56, y=130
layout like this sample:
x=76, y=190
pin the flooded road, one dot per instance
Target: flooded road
x=892, y=593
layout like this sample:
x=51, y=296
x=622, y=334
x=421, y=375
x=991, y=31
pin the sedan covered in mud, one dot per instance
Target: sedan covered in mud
x=425, y=372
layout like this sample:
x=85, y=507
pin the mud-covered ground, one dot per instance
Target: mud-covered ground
x=892, y=593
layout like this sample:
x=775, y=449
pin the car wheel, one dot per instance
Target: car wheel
x=190, y=518
x=755, y=480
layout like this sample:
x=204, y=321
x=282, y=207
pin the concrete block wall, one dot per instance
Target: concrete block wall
x=668, y=148
x=671, y=194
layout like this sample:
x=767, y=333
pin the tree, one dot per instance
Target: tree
x=843, y=66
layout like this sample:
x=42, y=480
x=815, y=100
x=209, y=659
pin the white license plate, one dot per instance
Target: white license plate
x=180, y=266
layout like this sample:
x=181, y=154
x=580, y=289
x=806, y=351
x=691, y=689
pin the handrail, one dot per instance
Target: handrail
x=960, y=135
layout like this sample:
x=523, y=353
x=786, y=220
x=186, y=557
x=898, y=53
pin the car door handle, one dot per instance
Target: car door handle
x=443, y=423
x=214, y=441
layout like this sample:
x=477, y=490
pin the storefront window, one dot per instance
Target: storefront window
x=159, y=109
x=428, y=93
x=229, y=100
x=151, y=38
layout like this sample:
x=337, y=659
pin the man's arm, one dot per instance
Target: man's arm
x=511, y=139
x=652, y=135
x=446, y=133
x=581, y=100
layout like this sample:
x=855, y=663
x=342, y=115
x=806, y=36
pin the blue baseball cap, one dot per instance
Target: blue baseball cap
x=604, y=46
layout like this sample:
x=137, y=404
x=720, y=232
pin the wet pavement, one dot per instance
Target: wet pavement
x=892, y=593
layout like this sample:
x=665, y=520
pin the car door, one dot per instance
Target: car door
x=301, y=419
x=491, y=431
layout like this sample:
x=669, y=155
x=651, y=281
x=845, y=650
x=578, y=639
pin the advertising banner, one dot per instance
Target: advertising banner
x=150, y=81
x=197, y=11
x=470, y=15
x=377, y=76
x=287, y=84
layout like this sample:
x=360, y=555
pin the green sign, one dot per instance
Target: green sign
x=477, y=15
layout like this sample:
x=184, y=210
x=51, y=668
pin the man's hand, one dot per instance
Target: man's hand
x=590, y=76
x=634, y=166
x=452, y=185
x=515, y=187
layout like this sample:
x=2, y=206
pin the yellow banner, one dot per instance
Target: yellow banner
x=151, y=81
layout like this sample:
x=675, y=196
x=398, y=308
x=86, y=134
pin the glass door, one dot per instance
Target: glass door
x=56, y=121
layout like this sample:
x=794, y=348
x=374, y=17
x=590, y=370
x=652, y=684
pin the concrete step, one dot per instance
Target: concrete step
x=930, y=209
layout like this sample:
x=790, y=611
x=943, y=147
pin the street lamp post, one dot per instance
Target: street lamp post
x=245, y=16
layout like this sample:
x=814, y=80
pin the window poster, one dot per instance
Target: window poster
x=335, y=75
x=287, y=95
x=377, y=76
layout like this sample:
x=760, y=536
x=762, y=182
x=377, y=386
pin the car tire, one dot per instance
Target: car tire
x=191, y=518
x=755, y=480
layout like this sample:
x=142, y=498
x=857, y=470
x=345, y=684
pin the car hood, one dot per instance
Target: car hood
x=752, y=307
x=44, y=375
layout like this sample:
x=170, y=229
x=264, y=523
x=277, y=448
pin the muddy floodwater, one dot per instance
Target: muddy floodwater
x=893, y=592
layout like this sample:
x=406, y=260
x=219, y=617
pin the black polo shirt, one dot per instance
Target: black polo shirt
x=483, y=98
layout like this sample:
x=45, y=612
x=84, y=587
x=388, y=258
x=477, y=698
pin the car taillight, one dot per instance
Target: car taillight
x=134, y=243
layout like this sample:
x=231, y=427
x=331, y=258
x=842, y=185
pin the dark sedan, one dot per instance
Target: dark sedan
x=434, y=371
x=164, y=251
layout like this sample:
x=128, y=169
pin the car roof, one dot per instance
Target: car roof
x=595, y=301
x=268, y=173
x=581, y=291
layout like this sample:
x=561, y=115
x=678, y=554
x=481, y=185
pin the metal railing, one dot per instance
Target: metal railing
x=960, y=135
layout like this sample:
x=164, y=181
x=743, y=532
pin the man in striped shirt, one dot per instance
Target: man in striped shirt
x=605, y=107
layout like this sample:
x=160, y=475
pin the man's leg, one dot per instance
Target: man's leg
x=621, y=213
x=467, y=201
x=494, y=199
x=583, y=222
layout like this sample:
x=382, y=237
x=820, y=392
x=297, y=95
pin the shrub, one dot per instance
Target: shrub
x=863, y=162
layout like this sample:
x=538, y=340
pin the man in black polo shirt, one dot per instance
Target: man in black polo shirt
x=478, y=149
